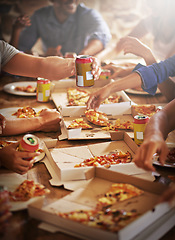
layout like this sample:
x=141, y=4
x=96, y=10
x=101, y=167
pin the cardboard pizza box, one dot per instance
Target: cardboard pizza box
x=59, y=97
x=97, y=132
x=153, y=222
x=60, y=162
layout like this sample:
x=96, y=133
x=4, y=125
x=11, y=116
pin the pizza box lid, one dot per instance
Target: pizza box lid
x=86, y=198
x=95, y=133
x=60, y=162
x=59, y=97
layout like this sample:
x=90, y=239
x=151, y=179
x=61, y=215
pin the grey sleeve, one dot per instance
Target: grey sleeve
x=7, y=52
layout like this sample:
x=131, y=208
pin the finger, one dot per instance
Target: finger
x=163, y=154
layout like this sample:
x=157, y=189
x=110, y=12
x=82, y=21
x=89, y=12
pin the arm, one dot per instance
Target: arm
x=131, y=81
x=14, y=160
x=156, y=132
x=52, y=68
x=47, y=121
x=18, y=26
x=93, y=47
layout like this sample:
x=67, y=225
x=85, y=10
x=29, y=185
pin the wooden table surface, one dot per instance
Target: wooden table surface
x=21, y=225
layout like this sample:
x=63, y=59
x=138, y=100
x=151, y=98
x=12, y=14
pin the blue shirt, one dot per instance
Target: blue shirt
x=155, y=74
x=73, y=35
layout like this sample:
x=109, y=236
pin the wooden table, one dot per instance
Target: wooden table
x=21, y=226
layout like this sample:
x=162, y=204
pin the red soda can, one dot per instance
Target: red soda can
x=43, y=90
x=29, y=143
x=139, y=128
x=84, y=77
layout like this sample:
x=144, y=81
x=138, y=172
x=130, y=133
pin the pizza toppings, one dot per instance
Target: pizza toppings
x=118, y=193
x=96, y=117
x=28, y=89
x=127, y=125
x=79, y=123
x=148, y=110
x=79, y=97
x=25, y=112
x=26, y=190
x=107, y=160
x=105, y=215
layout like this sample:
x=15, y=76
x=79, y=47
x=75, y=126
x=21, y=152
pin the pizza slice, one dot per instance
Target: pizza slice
x=28, y=89
x=148, y=110
x=119, y=192
x=28, y=189
x=79, y=123
x=107, y=160
x=77, y=97
x=96, y=117
x=112, y=99
x=25, y=112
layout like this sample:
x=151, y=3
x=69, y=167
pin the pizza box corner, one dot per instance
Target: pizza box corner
x=153, y=217
x=61, y=161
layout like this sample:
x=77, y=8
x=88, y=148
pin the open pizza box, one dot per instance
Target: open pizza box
x=59, y=97
x=60, y=162
x=96, y=132
x=154, y=219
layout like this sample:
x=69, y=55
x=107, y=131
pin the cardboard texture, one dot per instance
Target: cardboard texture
x=86, y=198
x=59, y=97
x=95, y=133
x=61, y=161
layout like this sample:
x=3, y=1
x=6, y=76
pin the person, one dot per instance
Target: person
x=147, y=77
x=66, y=26
x=156, y=132
x=53, y=68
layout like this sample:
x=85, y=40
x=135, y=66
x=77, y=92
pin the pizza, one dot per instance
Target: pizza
x=126, y=125
x=106, y=160
x=171, y=156
x=4, y=143
x=77, y=97
x=107, y=219
x=79, y=123
x=148, y=110
x=119, y=192
x=112, y=99
x=105, y=215
x=96, y=117
x=25, y=112
x=27, y=190
x=28, y=89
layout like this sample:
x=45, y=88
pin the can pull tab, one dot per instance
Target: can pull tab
x=31, y=140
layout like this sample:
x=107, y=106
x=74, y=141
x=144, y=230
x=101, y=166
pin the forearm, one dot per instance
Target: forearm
x=162, y=122
x=94, y=46
x=131, y=81
x=53, y=68
x=21, y=125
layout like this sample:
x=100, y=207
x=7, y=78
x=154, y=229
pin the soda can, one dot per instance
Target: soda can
x=139, y=128
x=84, y=77
x=43, y=90
x=29, y=143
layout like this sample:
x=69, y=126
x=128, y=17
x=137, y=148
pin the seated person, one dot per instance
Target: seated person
x=66, y=26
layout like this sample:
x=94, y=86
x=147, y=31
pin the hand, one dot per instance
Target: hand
x=96, y=98
x=151, y=145
x=96, y=69
x=54, y=51
x=119, y=70
x=21, y=22
x=15, y=160
x=50, y=120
